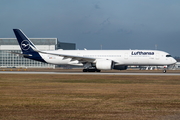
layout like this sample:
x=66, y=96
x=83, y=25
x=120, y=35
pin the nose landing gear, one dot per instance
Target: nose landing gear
x=164, y=70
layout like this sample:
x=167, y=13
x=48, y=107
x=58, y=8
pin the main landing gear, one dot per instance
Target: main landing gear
x=91, y=70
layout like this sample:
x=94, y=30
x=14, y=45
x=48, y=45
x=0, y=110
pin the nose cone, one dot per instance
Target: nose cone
x=173, y=61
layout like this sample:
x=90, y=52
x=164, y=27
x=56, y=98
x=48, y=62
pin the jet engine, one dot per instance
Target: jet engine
x=104, y=64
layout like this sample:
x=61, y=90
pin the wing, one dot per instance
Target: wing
x=73, y=57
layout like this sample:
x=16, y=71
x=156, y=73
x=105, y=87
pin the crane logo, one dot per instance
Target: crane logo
x=25, y=45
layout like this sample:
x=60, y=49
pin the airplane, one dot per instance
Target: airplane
x=93, y=60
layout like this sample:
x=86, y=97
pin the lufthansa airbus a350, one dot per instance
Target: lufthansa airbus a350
x=94, y=60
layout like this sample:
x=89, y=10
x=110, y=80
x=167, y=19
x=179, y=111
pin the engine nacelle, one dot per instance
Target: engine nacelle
x=120, y=67
x=104, y=64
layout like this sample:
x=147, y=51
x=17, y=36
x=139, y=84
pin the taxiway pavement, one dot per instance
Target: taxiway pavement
x=88, y=73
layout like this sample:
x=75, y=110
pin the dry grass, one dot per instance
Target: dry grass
x=89, y=97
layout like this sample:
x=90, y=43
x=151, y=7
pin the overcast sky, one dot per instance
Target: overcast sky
x=116, y=24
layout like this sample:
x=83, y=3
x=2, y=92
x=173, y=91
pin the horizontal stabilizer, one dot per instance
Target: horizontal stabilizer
x=27, y=55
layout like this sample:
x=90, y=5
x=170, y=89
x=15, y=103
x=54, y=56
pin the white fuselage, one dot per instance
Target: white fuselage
x=96, y=59
x=120, y=57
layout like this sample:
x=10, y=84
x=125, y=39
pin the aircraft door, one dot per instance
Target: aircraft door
x=157, y=56
x=126, y=56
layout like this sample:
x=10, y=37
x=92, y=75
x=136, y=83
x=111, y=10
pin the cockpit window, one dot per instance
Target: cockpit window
x=168, y=56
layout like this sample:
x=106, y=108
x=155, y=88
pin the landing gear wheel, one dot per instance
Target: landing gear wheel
x=164, y=71
x=91, y=70
x=85, y=70
x=98, y=70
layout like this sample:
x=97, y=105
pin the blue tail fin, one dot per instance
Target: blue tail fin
x=24, y=42
x=26, y=46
